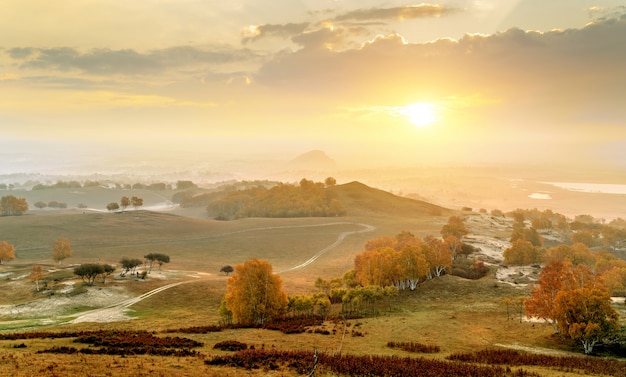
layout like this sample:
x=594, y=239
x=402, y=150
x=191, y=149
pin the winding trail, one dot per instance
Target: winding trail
x=117, y=312
x=342, y=236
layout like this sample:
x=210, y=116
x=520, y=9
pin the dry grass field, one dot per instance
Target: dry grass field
x=455, y=314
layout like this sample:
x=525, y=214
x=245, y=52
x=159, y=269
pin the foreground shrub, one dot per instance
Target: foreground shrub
x=573, y=364
x=349, y=365
x=129, y=343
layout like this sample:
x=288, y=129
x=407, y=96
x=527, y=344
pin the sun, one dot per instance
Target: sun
x=420, y=114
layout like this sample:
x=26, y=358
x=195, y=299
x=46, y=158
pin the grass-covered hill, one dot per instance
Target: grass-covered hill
x=198, y=242
x=449, y=313
x=362, y=200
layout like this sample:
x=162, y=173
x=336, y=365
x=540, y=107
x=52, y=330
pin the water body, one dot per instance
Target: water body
x=600, y=188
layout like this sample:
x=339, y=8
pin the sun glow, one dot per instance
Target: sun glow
x=420, y=113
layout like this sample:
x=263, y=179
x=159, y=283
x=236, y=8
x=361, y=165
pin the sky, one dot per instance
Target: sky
x=371, y=82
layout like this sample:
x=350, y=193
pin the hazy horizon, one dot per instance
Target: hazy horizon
x=98, y=85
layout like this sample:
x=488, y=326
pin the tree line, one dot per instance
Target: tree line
x=125, y=202
x=388, y=265
x=306, y=199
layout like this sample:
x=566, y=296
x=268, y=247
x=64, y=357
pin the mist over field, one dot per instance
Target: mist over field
x=570, y=190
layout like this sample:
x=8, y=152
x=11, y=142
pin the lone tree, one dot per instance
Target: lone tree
x=160, y=259
x=36, y=275
x=455, y=227
x=113, y=206
x=61, y=249
x=227, y=269
x=7, y=251
x=254, y=294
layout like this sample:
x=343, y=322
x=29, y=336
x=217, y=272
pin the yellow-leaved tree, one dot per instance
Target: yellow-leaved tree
x=61, y=249
x=36, y=275
x=254, y=294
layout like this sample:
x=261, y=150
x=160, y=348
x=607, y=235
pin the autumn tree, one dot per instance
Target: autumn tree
x=124, y=202
x=12, y=206
x=613, y=237
x=583, y=308
x=575, y=302
x=254, y=294
x=542, y=303
x=523, y=252
x=136, y=202
x=61, y=249
x=455, y=227
x=36, y=274
x=330, y=181
x=455, y=246
x=41, y=205
x=577, y=253
x=7, y=251
x=113, y=206
x=438, y=255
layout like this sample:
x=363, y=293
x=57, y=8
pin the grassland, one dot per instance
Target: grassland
x=455, y=314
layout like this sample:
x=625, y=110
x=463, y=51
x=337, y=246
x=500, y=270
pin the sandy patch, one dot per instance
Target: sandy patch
x=60, y=305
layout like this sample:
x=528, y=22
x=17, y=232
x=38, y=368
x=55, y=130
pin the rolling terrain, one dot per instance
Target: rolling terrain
x=456, y=314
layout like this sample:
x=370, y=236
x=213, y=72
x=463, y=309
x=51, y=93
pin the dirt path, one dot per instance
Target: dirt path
x=342, y=236
x=117, y=312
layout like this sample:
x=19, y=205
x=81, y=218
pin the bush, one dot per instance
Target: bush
x=414, y=347
x=230, y=345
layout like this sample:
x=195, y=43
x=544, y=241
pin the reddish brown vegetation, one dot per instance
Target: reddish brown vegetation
x=414, y=347
x=116, y=343
x=587, y=365
x=349, y=365
x=230, y=345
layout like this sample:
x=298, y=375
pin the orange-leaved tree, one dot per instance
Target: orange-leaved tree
x=61, y=249
x=583, y=308
x=542, y=303
x=254, y=294
x=36, y=275
x=7, y=251
x=575, y=302
x=454, y=227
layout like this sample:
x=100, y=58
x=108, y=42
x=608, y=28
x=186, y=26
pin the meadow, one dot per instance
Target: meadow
x=454, y=314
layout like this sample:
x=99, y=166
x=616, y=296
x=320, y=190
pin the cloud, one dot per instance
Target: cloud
x=396, y=13
x=572, y=75
x=126, y=61
x=253, y=33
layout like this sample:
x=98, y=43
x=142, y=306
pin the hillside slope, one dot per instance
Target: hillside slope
x=361, y=200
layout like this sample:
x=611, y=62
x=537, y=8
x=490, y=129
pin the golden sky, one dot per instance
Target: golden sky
x=394, y=81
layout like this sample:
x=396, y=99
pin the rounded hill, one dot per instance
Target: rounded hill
x=359, y=199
